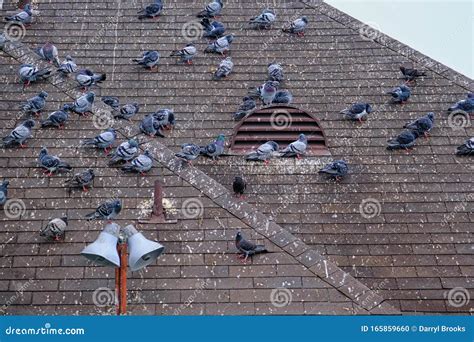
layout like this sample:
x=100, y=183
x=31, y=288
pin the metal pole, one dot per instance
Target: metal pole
x=158, y=212
x=121, y=279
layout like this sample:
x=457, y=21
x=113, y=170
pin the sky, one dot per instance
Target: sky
x=442, y=30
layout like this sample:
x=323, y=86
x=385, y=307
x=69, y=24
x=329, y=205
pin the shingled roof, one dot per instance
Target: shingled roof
x=326, y=253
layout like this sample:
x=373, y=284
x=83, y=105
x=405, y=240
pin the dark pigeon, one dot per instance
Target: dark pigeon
x=247, y=248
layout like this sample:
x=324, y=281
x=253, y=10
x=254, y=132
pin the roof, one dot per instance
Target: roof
x=407, y=258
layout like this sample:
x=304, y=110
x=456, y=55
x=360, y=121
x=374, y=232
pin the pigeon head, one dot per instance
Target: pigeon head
x=133, y=143
x=238, y=237
x=190, y=44
x=368, y=108
x=403, y=69
x=229, y=38
x=171, y=118
x=220, y=138
x=43, y=152
x=302, y=137
x=246, y=98
x=470, y=95
x=147, y=153
x=267, y=10
x=404, y=88
x=431, y=116
x=238, y=179
x=304, y=19
x=91, y=171
x=68, y=58
x=5, y=183
x=274, y=145
x=29, y=123
x=27, y=9
x=229, y=59
x=111, y=130
x=90, y=96
x=64, y=219
x=43, y=94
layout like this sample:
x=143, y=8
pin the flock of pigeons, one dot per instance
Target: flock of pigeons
x=154, y=124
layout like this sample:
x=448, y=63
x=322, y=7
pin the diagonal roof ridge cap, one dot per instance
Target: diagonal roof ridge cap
x=392, y=44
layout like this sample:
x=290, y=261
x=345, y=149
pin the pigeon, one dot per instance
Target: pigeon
x=337, y=169
x=51, y=163
x=239, y=185
x=125, y=152
x=466, y=149
x=466, y=105
x=264, y=152
x=275, y=72
x=149, y=59
x=86, y=78
x=297, y=27
x=55, y=229
x=212, y=30
x=151, y=11
x=296, y=148
x=245, y=108
x=411, y=74
x=214, y=149
x=127, y=111
x=111, y=101
x=224, y=69
x=189, y=152
x=56, y=119
x=143, y=163
x=106, y=211
x=83, y=105
x=49, y=53
x=4, y=191
x=422, y=125
x=36, y=104
x=264, y=20
x=266, y=92
x=357, y=111
x=186, y=54
x=165, y=118
x=82, y=180
x=283, y=97
x=3, y=39
x=247, y=248
x=19, y=134
x=400, y=94
x=150, y=126
x=68, y=66
x=404, y=140
x=221, y=45
x=104, y=140
x=29, y=73
x=25, y=16
x=212, y=10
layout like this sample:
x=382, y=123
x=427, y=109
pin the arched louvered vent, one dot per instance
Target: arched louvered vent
x=282, y=124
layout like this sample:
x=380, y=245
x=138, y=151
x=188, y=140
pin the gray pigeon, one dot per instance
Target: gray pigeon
x=224, y=69
x=30, y=73
x=297, y=27
x=283, y=97
x=51, y=163
x=212, y=10
x=104, y=140
x=189, y=152
x=106, y=211
x=143, y=163
x=212, y=30
x=186, y=54
x=467, y=148
x=19, y=134
x=422, y=125
x=56, y=119
x=400, y=94
x=83, y=105
x=337, y=169
x=264, y=152
x=221, y=45
x=214, y=149
x=404, y=140
x=125, y=152
x=36, y=104
x=275, y=72
x=296, y=148
x=25, y=16
x=82, y=180
x=264, y=20
x=266, y=92
x=149, y=59
x=357, y=111
x=55, y=229
x=4, y=191
x=86, y=78
x=165, y=118
x=49, y=53
x=127, y=111
x=151, y=11
x=247, y=248
x=3, y=39
x=245, y=108
x=68, y=66
x=111, y=101
x=150, y=126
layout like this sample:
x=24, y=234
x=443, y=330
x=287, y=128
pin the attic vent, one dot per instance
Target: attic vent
x=281, y=124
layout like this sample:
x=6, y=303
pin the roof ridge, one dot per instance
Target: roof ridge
x=393, y=44
x=314, y=262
